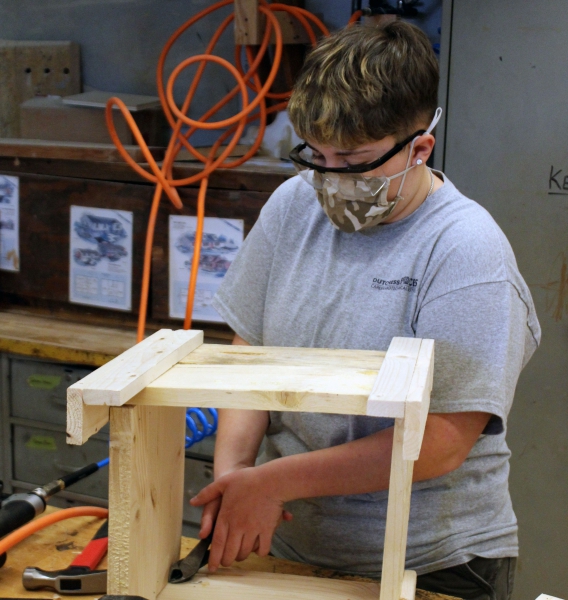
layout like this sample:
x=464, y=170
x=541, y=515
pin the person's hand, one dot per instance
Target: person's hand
x=208, y=517
x=249, y=513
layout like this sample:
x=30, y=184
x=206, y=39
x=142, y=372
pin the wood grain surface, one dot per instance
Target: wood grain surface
x=55, y=548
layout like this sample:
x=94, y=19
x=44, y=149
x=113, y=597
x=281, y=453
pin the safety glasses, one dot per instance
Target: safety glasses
x=302, y=156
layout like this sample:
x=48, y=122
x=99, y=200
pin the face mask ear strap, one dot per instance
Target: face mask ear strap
x=437, y=116
x=433, y=124
x=407, y=168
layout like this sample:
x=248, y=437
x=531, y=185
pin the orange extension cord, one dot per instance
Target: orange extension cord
x=8, y=542
x=177, y=118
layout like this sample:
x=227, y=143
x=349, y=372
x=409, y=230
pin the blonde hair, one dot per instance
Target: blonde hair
x=364, y=83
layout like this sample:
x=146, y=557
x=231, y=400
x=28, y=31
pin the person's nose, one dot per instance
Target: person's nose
x=333, y=162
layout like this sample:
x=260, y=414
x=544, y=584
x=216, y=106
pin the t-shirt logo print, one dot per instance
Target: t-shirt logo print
x=407, y=284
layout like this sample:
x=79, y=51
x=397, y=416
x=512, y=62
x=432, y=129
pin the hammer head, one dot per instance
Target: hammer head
x=74, y=580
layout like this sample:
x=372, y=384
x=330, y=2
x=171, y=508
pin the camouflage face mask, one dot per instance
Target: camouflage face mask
x=351, y=201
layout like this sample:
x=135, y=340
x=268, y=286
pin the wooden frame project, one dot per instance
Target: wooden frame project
x=145, y=391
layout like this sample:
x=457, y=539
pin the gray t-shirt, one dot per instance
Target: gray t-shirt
x=445, y=272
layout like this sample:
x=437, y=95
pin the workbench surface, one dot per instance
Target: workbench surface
x=56, y=546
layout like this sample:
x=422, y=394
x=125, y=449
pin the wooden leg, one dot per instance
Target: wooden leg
x=398, y=511
x=408, y=591
x=145, y=497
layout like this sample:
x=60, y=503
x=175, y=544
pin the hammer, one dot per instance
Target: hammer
x=80, y=577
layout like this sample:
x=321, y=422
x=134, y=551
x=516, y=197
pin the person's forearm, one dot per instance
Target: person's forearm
x=239, y=435
x=363, y=466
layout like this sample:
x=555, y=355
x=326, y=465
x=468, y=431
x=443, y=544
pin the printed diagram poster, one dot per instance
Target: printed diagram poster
x=9, y=223
x=222, y=239
x=100, y=259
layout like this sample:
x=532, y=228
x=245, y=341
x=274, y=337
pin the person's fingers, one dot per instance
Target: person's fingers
x=207, y=494
x=232, y=547
x=265, y=540
x=210, y=512
x=287, y=516
x=218, y=545
x=247, y=546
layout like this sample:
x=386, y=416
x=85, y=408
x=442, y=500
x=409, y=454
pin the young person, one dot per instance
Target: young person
x=368, y=243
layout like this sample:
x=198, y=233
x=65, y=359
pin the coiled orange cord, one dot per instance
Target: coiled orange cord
x=162, y=175
x=8, y=542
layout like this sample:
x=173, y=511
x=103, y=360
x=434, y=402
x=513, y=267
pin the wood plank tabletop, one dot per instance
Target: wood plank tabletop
x=67, y=341
x=56, y=546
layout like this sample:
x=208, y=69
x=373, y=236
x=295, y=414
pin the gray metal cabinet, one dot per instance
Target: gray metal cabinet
x=198, y=474
x=38, y=390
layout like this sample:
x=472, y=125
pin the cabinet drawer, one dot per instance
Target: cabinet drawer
x=198, y=474
x=39, y=389
x=203, y=450
x=42, y=455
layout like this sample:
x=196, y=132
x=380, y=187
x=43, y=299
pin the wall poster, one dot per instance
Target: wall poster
x=100, y=257
x=9, y=223
x=222, y=239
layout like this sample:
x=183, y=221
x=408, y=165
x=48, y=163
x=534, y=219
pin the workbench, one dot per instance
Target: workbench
x=56, y=546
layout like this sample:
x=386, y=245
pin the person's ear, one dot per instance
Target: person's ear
x=423, y=148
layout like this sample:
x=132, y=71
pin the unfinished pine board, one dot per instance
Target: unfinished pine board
x=250, y=585
x=408, y=591
x=119, y=380
x=388, y=396
x=83, y=420
x=247, y=22
x=293, y=31
x=213, y=354
x=268, y=378
x=262, y=387
x=398, y=511
x=418, y=401
x=145, y=497
x=19, y=148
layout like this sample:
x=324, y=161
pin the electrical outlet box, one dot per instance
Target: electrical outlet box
x=29, y=69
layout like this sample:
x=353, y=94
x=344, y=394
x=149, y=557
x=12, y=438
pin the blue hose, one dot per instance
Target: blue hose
x=199, y=430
